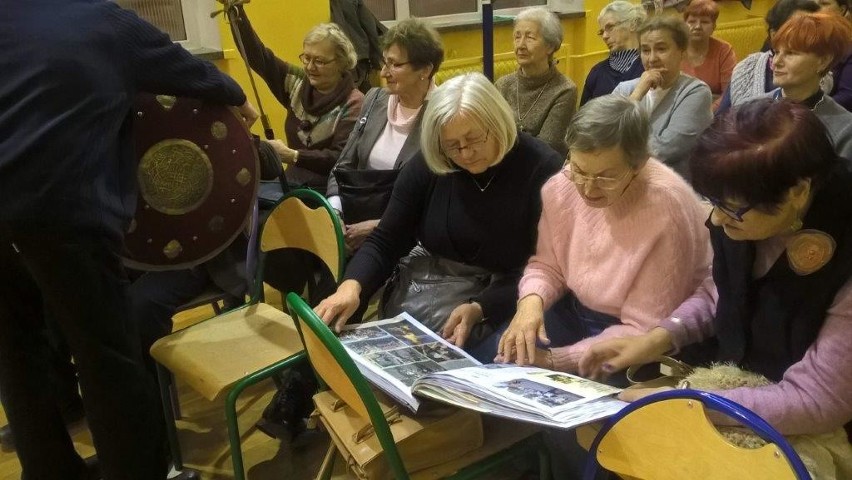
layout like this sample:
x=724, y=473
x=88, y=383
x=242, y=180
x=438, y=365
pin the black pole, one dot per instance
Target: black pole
x=488, y=39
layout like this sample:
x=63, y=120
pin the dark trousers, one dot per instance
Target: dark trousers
x=78, y=277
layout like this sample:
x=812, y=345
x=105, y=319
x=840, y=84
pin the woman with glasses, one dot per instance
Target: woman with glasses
x=708, y=59
x=471, y=196
x=388, y=134
x=806, y=48
x=542, y=97
x=319, y=95
x=779, y=301
x=621, y=243
x=679, y=105
x=618, y=22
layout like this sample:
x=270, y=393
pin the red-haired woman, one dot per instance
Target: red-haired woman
x=807, y=47
x=779, y=301
x=707, y=58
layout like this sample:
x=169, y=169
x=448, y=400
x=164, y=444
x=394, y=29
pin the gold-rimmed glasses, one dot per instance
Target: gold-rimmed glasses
x=317, y=61
x=472, y=145
x=604, y=183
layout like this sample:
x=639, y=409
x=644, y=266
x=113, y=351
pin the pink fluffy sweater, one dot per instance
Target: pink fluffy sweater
x=637, y=259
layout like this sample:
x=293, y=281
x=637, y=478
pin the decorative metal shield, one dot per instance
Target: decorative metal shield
x=198, y=173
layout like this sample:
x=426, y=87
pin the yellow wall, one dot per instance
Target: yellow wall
x=281, y=25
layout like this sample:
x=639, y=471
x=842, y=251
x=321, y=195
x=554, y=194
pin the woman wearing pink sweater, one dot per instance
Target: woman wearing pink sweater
x=621, y=238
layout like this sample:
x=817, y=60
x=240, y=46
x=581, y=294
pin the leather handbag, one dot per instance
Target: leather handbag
x=432, y=437
x=429, y=288
x=669, y=372
x=364, y=194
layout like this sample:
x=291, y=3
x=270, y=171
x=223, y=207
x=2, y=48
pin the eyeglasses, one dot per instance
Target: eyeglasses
x=391, y=65
x=608, y=28
x=318, y=62
x=472, y=145
x=604, y=183
x=735, y=213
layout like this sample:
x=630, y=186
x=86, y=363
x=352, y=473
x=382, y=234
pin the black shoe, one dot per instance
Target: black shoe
x=284, y=417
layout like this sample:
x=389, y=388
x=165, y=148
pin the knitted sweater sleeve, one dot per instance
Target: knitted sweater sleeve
x=815, y=394
x=557, y=119
x=159, y=65
x=689, y=116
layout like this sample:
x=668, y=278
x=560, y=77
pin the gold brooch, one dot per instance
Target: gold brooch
x=809, y=250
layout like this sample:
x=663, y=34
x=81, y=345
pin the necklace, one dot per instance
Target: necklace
x=518, y=102
x=487, y=184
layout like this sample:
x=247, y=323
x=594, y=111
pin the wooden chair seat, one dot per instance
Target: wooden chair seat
x=213, y=355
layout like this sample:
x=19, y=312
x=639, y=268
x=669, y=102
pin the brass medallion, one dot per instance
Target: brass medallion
x=219, y=130
x=172, y=249
x=175, y=176
x=243, y=177
x=166, y=101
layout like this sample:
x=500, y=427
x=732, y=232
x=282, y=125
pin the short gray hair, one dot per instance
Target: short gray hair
x=548, y=24
x=611, y=121
x=343, y=49
x=632, y=15
x=472, y=95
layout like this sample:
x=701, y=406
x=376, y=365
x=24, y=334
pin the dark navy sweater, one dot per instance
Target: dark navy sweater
x=70, y=71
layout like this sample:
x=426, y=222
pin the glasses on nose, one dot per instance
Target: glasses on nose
x=391, y=65
x=734, y=213
x=472, y=145
x=608, y=28
x=317, y=61
x=604, y=183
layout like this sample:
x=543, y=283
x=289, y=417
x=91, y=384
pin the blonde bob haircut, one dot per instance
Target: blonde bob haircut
x=343, y=48
x=473, y=96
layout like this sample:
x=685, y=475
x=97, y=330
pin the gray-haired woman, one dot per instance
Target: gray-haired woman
x=542, y=98
x=617, y=22
x=471, y=196
x=621, y=240
x=320, y=97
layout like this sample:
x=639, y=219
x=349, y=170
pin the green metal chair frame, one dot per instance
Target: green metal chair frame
x=256, y=296
x=305, y=317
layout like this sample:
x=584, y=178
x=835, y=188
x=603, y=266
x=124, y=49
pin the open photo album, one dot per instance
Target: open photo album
x=406, y=360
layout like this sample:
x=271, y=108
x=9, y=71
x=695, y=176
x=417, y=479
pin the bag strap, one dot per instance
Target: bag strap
x=362, y=123
x=677, y=370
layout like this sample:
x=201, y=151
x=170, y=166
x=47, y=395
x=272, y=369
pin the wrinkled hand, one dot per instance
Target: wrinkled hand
x=248, y=112
x=336, y=309
x=518, y=342
x=633, y=394
x=461, y=321
x=357, y=233
x=285, y=153
x=610, y=356
x=650, y=79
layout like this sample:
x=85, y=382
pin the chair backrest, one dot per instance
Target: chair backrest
x=669, y=436
x=305, y=220
x=338, y=371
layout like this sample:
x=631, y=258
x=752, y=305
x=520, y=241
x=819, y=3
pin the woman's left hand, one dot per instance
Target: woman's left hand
x=461, y=322
x=285, y=153
x=633, y=394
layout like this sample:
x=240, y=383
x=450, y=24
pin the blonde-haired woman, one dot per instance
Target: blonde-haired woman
x=471, y=196
x=542, y=98
x=319, y=95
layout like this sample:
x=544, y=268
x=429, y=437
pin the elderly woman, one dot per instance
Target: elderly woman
x=752, y=77
x=320, y=97
x=708, y=59
x=622, y=235
x=388, y=134
x=618, y=22
x=471, y=196
x=780, y=295
x=806, y=47
x=679, y=104
x=542, y=98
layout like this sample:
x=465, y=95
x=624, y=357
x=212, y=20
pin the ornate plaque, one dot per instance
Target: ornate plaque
x=197, y=173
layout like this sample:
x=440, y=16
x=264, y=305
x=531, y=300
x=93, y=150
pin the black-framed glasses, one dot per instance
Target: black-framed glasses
x=455, y=152
x=609, y=28
x=391, y=65
x=734, y=213
x=318, y=62
x=604, y=183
